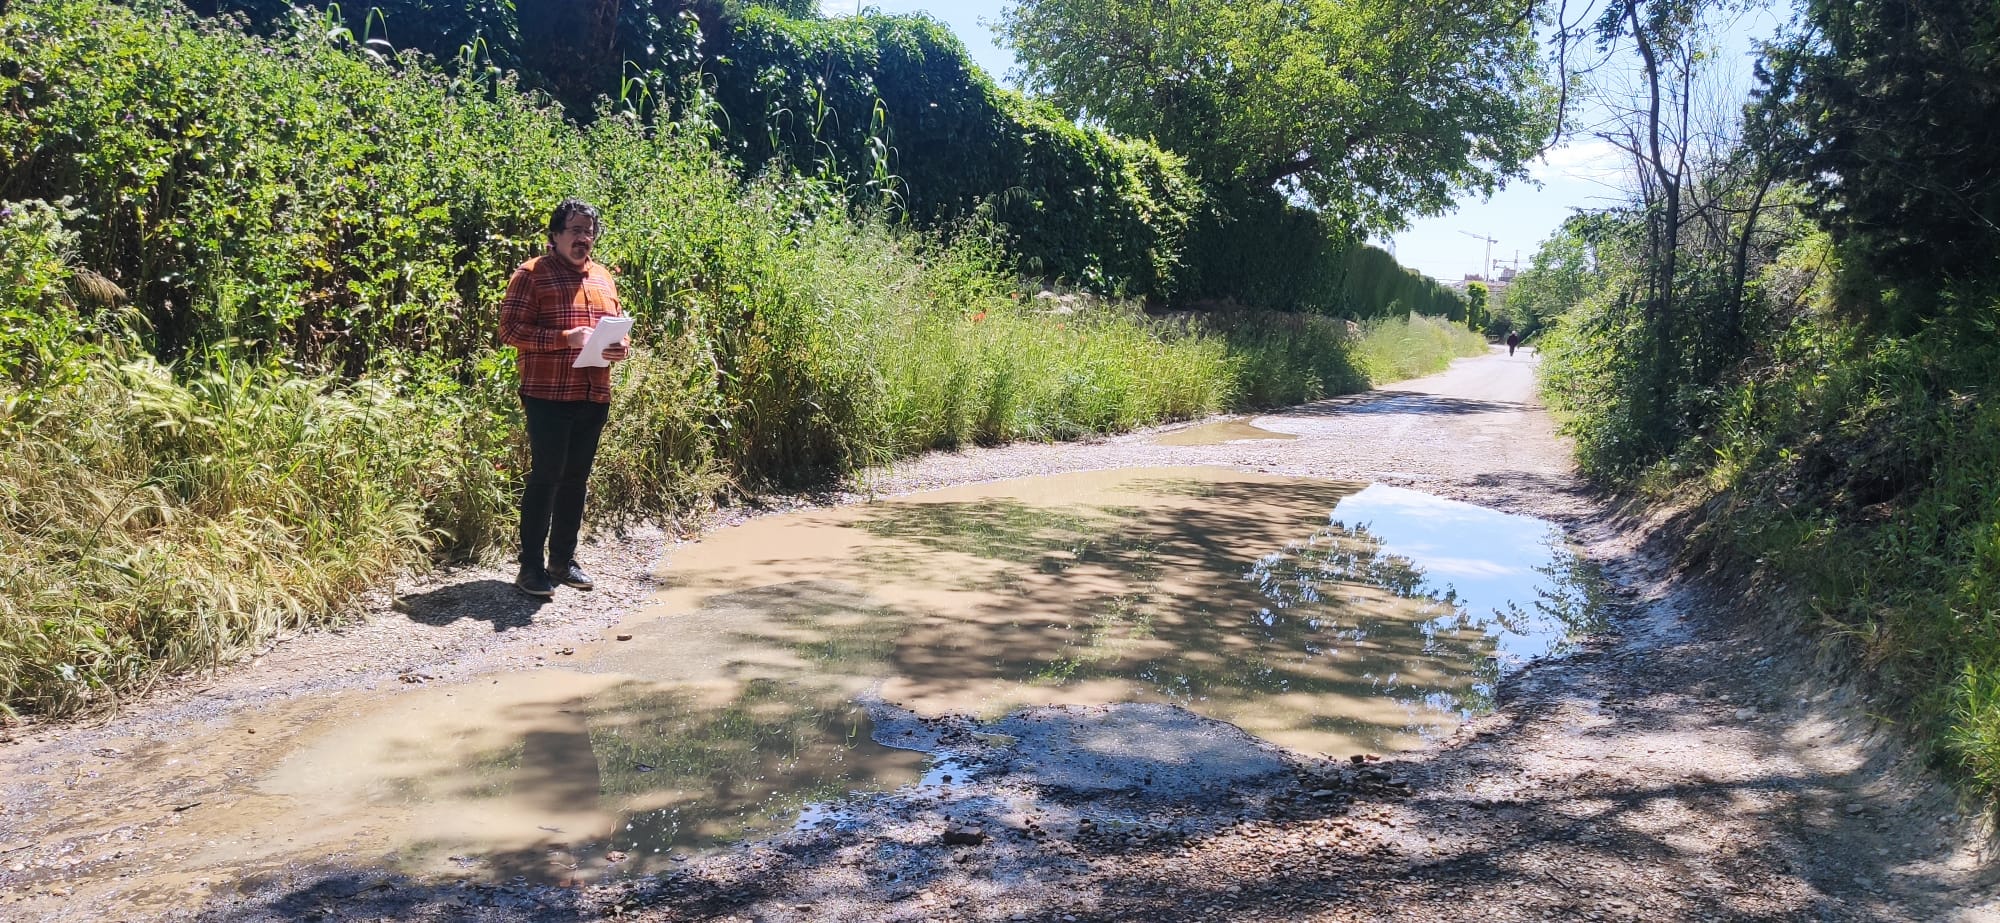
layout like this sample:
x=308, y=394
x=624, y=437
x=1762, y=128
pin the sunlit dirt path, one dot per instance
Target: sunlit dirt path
x=1476, y=430
x=1684, y=766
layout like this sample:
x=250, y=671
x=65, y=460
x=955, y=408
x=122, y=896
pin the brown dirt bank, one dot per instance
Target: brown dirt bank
x=1688, y=764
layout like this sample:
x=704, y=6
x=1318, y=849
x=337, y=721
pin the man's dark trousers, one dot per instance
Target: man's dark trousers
x=562, y=442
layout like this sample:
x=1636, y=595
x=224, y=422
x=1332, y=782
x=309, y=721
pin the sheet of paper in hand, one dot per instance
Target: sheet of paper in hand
x=608, y=331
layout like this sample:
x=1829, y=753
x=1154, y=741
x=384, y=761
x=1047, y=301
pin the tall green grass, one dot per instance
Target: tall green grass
x=1861, y=473
x=1395, y=348
x=156, y=522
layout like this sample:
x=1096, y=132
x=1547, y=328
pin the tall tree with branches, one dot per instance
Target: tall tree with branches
x=1373, y=111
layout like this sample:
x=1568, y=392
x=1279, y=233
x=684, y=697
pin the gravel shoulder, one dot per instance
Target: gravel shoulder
x=1692, y=762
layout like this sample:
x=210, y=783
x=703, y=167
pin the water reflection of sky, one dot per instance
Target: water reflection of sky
x=1505, y=571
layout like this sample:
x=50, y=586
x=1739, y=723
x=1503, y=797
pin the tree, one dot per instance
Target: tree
x=1891, y=104
x=1561, y=274
x=1374, y=112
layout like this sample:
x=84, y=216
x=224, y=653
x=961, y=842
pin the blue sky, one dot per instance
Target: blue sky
x=1583, y=174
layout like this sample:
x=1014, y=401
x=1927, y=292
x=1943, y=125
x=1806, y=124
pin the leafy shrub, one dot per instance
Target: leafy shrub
x=39, y=316
x=1259, y=251
x=893, y=106
x=1858, y=470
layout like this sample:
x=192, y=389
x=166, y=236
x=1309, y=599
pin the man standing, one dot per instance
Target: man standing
x=552, y=303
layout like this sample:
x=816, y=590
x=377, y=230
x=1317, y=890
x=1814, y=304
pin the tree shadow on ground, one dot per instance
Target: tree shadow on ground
x=495, y=601
x=1391, y=401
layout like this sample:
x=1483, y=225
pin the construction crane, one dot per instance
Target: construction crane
x=1486, y=267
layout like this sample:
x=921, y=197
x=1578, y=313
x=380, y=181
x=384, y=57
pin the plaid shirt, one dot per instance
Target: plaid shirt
x=545, y=297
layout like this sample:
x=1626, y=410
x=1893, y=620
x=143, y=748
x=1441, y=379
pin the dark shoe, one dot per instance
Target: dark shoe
x=534, y=581
x=570, y=575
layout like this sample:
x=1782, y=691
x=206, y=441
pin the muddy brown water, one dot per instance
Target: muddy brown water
x=1325, y=616
x=1219, y=433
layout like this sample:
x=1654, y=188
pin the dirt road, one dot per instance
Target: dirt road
x=1688, y=764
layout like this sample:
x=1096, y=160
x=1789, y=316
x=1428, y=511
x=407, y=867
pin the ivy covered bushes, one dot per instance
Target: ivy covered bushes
x=893, y=106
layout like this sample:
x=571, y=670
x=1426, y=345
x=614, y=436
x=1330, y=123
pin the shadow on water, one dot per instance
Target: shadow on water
x=634, y=777
x=1393, y=402
x=495, y=601
x=1329, y=641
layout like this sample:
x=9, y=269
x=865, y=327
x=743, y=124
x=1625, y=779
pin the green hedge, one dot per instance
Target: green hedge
x=1260, y=251
x=893, y=106
x=892, y=110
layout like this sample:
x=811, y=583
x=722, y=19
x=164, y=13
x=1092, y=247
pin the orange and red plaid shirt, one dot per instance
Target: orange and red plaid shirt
x=545, y=297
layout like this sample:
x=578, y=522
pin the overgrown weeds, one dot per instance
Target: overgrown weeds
x=1861, y=473
x=1853, y=468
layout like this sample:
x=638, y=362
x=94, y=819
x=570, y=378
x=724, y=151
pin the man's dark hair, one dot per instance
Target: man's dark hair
x=570, y=208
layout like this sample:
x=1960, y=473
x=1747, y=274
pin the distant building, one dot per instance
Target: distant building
x=1496, y=287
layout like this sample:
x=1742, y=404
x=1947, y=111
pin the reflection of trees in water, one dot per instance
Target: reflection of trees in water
x=1337, y=616
x=1573, y=596
x=1052, y=539
x=1332, y=615
x=825, y=623
x=715, y=772
x=1567, y=600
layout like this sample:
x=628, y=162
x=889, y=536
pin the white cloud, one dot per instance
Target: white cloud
x=1466, y=567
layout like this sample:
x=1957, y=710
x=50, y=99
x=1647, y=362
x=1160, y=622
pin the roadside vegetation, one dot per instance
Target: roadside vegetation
x=1789, y=330
x=247, y=363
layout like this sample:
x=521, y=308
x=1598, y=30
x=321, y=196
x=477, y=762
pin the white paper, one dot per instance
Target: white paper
x=608, y=331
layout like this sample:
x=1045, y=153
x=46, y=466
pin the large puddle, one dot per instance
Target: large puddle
x=1219, y=433
x=1324, y=616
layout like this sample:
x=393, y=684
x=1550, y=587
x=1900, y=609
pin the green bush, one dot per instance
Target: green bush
x=40, y=323
x=1259, y=251
x=1849, y=466
x=893, y=107
x=1860, y=471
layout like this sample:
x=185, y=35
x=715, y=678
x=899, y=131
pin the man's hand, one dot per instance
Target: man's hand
x=617, y=352
x=575, y=337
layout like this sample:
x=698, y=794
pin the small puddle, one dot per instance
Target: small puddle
x=1324, y=616
x=1218, y=434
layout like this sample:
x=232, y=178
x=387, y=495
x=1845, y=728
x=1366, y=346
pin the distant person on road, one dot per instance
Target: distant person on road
x=1513, y=340
x=552, y=303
